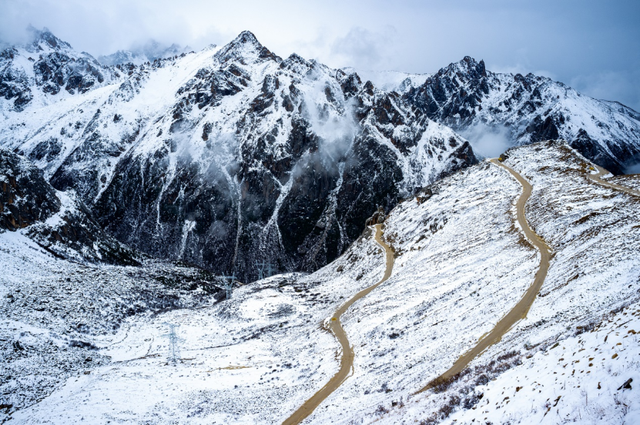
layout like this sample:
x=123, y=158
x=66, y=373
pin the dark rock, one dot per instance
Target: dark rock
x=25, y=196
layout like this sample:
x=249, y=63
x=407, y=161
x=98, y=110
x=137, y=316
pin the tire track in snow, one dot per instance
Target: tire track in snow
x=335, y=326
x=520, y=310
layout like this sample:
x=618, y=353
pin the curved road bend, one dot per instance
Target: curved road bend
x=335, y=326
x=522, y=308
x=598, y=179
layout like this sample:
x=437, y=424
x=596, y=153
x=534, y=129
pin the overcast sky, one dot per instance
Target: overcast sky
x=594, y=46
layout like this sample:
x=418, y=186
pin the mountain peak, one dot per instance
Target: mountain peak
x=44, y=39
x=246, y=46
x=246, y=37
x=469, y=64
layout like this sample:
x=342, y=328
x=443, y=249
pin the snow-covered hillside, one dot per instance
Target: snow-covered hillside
x=461, y=263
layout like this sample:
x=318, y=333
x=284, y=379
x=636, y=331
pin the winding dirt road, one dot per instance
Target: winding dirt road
x=597, y=178
x=522, y=308
x=335, y=326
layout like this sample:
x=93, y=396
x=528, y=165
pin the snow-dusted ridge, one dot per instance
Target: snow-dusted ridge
x=511, y=110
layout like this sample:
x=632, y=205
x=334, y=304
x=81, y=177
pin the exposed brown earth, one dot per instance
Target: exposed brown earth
x=335, y=326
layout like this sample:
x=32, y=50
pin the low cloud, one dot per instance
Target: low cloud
x=365, y=49
x=488, y=141
x=336, y=128
x=633, y=169
x=610, y=85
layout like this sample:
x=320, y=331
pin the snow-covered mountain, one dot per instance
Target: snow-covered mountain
x=460, y=263
x=524, y=109
x=45, y=71
x=232, y=155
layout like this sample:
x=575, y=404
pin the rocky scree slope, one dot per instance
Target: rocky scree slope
x=233, y=154
x=525, y=109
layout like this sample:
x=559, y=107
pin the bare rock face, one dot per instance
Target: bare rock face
x=65, y=228
x=25, y=196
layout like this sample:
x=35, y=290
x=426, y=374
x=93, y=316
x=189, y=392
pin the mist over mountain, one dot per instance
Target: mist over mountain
x=148, y=52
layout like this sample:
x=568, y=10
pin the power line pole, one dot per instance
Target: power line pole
x=173, y=343
x=228, y=285
x=260, y=267
x=264, y=266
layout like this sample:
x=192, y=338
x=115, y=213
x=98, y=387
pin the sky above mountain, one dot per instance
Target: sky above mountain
x=591, y=45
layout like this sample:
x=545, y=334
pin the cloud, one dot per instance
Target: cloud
x=611, y=85
x=488, y=141
x=104, y=27
x=336, y=128
x=362, y=48
x=633, y=169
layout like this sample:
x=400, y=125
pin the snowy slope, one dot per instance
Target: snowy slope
x=461, y=264
x=56, y=313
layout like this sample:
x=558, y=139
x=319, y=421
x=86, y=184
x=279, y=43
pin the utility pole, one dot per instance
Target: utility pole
x=260, y=267
x=264, y=266
x=228, y=285
x=173, y=343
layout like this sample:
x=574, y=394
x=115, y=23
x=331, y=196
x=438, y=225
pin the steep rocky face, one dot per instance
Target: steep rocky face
x=25, y=196
x=56, y=221
x=234, y=155
x=265, y=159
x=466, y=96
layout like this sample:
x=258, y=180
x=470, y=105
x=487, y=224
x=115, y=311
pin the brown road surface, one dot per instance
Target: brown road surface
x=522, y=308
x=598, y=179
x=346, y=362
